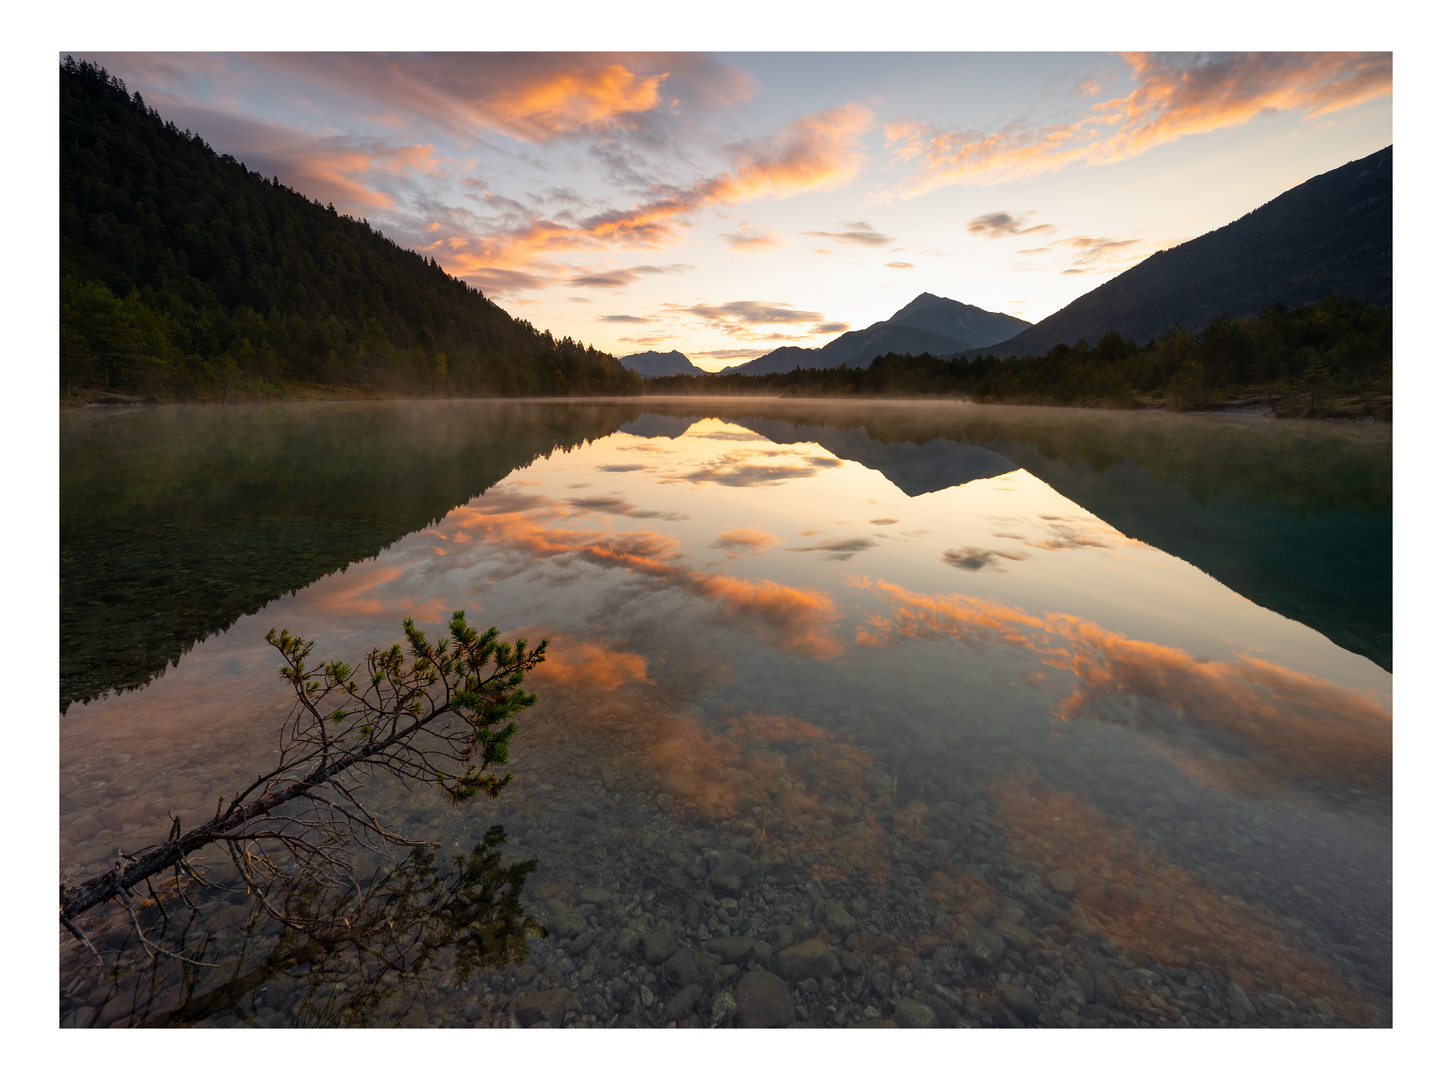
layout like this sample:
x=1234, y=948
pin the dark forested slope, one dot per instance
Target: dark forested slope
x=1332, y=234
x=185, y=274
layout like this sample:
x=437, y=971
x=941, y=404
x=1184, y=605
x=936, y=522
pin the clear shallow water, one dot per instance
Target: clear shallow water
x=889, y=691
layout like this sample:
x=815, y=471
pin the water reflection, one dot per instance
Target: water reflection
x=414, y=928
x=1242, y=718
x=1126, y=892
x=970, y=756
x=176, y=521
x=1296, y=516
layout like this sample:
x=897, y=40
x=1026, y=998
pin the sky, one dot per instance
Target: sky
x=724, y=204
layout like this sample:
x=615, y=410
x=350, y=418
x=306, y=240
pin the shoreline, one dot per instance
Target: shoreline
x=1353, y=409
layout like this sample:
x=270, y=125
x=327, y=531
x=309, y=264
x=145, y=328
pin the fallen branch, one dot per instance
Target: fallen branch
x=444, y=715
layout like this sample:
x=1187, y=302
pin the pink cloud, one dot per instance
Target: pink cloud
x=1174, y=96
x=816, y=152
x=534, y=97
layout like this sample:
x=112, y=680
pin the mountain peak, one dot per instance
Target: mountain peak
x=654, y=364
x=925, y=299
x=927, y=324
x=971, y=325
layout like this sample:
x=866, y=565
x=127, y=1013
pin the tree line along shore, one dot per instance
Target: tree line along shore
x=1332, y=358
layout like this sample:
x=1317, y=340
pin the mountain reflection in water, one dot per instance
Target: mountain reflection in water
x=817, y=709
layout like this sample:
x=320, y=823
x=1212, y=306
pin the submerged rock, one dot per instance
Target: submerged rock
x=912, y=1014
x=763, y=1001
x=809, y=960
x=682, y=1005
x=730, y=870
x=544, y=1006
x=1019, y=1001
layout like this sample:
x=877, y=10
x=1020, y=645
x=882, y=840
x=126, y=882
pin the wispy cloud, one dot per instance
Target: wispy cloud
x=1002, y=223
x=752, y=241
x=972, y=558
x=742, y=317
x=1173, y=96
x=618, y=279
x=362, y=176
x=745, y=468
x=1089, y=254
x=649, y=339
x=493, y=280
x=534, y=97
x=839, y=550
x=754, y=312
x=729, y=354
x=747, y=541
x=615, y=506
x=815, y=152
x=856, y=232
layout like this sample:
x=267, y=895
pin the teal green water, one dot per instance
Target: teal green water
x=1026, y=716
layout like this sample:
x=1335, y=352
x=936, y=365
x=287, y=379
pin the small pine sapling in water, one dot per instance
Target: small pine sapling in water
x=440, y=713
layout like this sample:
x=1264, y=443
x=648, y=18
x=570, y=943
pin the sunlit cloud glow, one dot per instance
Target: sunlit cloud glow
x=1128, y=893
x=796, y=619
x=1291, y=726
x=1173, y=97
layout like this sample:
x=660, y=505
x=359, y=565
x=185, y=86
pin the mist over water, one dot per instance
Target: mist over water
x=935, y=714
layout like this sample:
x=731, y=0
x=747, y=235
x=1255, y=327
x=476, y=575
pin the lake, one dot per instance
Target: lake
x=853, y=714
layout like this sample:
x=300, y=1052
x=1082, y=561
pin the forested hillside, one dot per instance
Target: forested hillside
x=185, y=275
x=1332, y=234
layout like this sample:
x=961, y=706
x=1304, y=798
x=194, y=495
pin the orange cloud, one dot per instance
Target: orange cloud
x=1130, y=894
x=339, y=172
x=816, y=152
x=748, y=540
x=1173, y=97
x=795, y=619
x=349, y=594
x=796, y=791
x=1307, y=725
x=1293, y=727
x=558, y=102
x=586, y=662
x=534, y=97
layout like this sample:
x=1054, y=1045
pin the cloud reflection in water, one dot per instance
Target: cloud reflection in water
x=1281, y=723
x=797, y=620
x=1126, y=892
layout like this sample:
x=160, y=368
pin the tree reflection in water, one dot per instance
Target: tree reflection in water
x=417, y=921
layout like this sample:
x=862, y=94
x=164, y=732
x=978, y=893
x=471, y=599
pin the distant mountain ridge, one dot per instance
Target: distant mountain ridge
x=651, y=365
x=1331, y=234
x=927, y=324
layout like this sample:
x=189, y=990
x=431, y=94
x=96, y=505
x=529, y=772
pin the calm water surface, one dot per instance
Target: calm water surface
x=941, y=715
